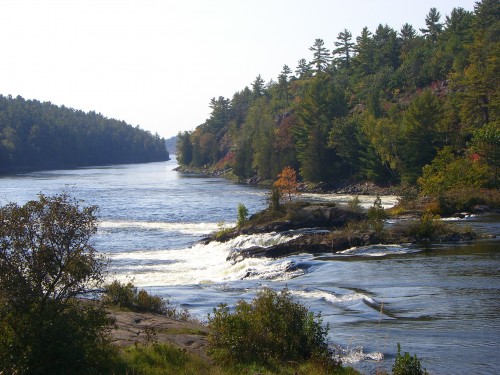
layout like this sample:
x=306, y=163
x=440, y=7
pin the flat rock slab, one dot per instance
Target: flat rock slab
x=141, y=328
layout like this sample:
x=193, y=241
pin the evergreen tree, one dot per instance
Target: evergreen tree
x=258, y=87
x=407, y=35
x=345, y=48
x=321, y=56
x=386, y=46
x=434, y=27
x=283, y=83
x=303, y=69
x=364, y=49
x=420, y=132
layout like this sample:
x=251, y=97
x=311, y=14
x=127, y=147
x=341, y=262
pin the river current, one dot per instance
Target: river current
x=440, y=302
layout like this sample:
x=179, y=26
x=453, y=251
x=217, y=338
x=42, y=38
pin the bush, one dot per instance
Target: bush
x=127, y=296
x=407, y=365
x=46, y=262
x=271, y=329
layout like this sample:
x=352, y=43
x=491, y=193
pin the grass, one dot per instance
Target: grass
x=159, y=359
x=162, y=359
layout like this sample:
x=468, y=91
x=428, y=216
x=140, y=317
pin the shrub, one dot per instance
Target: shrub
x=406, y=364
x=127, y=296
x=270, y=329
x=46, y=262
x=428, y=226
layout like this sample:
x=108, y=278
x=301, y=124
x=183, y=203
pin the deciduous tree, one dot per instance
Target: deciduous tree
x=287, y=183
x=46, y=262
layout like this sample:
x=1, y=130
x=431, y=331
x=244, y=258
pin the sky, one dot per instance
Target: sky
x=157, y=63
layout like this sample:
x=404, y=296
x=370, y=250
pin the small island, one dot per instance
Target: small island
x=331, y=227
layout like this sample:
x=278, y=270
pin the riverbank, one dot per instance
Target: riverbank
x=357, y=188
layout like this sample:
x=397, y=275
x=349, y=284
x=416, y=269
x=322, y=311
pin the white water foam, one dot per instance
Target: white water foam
x=202, y=263
x=365, y=201
x=331, y=297
x=185, y=228
x=357, y=354
x=377, y=250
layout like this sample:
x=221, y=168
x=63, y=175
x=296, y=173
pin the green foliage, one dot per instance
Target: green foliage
x=184, y=149
x=127, y=296
x=381, y=110
x=448, y=172
x=46, y=263
x=406, y=364
x=242, y=215
x=271, y=329
x=420, y=135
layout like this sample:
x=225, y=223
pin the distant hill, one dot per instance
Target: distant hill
x=171, y=144
x=36, y=135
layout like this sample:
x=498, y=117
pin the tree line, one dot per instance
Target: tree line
x=36, y=135
x=389, y=106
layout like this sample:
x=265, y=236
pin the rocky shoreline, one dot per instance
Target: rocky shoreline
x=357, y=188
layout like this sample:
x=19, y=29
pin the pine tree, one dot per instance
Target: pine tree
x=303, y=69
x=321, y=56
x=345, y=48
x=434, y=28
x=364, y=60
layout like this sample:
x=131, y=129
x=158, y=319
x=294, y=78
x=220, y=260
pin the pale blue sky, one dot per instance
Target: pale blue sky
x=157, y=63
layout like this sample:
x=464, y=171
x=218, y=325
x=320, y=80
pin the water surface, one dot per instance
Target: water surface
x=440, y=302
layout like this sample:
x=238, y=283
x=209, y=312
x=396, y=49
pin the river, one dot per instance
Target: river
x=441, y=302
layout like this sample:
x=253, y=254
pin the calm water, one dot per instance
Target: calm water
x=441, y=302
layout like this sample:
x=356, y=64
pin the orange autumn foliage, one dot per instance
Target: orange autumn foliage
x=287, y=183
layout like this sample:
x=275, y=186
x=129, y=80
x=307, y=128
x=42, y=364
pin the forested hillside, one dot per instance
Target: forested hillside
x=388, y=106
x=35, y=135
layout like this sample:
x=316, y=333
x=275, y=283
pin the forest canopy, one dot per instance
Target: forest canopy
x=383, y=106
x=36, y=135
